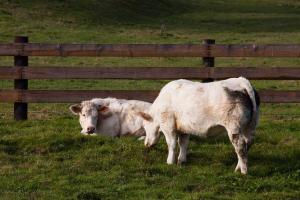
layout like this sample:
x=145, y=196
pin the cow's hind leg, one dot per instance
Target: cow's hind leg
x=183, y=140
x=240, y=147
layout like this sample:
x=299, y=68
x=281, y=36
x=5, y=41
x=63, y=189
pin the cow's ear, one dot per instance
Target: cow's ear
x=75, y=109
x=104, y=110
x=146, y=116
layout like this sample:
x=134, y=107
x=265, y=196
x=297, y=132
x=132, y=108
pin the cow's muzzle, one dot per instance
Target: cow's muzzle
x=90, y=130
x=149, y=144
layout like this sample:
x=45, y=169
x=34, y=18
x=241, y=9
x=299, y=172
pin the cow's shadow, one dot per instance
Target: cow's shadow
x=261, y=162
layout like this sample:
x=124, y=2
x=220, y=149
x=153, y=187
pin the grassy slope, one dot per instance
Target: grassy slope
x=45, y=157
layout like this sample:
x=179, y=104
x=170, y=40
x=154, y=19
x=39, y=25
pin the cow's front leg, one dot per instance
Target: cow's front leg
x=167, y=126
x=183, y=141
x=171, y=142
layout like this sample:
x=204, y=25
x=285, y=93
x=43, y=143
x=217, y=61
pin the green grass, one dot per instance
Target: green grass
x=47, y=158
x=50, y=159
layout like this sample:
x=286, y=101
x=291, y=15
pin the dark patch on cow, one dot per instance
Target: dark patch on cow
x=178, y=124
x=257, y=98
x=140, y=132
x=103, y=117
x=146, y=116
x=103, y=109
x=104, y=112
x=239, y=98
x=164, y=117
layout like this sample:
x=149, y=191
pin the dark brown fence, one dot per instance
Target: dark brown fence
x=208, y=51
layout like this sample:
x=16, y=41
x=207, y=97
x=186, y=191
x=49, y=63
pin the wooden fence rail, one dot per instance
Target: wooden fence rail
x=149, y=73
x=68, y=96
x=208, y=50
x=151, y=50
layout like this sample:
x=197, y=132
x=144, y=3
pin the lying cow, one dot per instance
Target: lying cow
x=109, y=116
x=184, y=107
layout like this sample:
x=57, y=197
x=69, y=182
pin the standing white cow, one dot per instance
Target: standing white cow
x=184, y=107
x=110, y=116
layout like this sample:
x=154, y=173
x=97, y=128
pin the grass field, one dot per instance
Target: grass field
x=45, y=157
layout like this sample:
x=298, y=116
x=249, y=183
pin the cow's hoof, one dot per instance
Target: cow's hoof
x=237, y=168
x=181, y=163
x=243, y=170
x=170, y=162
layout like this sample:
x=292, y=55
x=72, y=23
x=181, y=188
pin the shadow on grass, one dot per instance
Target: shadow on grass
x=66, y=144
x=89, y=196
x=264, y=162
x=9, y=147
x=205, y=16
x=265, y=165
x=12, y=147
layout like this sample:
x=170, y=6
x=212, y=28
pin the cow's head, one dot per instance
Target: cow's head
x=89, y=114
x=151, y=128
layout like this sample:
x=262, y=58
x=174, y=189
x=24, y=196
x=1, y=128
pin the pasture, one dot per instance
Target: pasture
x=45, y=157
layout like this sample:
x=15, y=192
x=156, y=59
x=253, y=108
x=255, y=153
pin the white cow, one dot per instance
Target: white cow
x=184, y=107
x=110, y=116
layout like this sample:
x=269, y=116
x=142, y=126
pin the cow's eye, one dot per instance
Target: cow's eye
x=83, y=115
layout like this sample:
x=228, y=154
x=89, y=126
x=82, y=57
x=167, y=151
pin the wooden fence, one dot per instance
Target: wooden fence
x=20, y=72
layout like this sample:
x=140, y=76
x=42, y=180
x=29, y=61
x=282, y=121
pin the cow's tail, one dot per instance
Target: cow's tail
x=254, y=98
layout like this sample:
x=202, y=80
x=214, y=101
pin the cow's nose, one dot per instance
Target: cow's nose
x=147, y=144
x=90, y=130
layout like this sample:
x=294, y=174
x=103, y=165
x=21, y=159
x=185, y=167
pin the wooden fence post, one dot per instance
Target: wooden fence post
x=20, y=108
x=208, y=61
